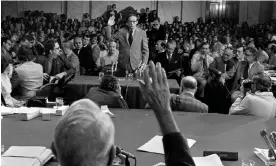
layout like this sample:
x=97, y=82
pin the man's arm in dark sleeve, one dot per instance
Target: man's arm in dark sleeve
x=176, y=150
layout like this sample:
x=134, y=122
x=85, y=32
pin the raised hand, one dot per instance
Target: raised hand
x=156, y=92
x=111, y=21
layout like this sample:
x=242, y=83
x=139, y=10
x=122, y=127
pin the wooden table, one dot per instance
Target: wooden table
x=135, y=127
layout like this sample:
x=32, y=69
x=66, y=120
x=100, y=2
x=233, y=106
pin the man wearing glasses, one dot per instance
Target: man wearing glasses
x=133, y=45
x=54, y=64
x=246, y=69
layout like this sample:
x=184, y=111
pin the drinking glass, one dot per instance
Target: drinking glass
x=59, y=102
x=101, y=75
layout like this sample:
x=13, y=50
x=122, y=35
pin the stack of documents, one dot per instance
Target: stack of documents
x=26, y=156
x=263, y=155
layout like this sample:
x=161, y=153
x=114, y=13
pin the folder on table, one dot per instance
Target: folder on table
x=26, y=156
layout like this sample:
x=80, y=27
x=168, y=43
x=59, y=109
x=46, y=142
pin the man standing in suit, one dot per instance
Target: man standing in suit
x=133, y=45
x=245, y=70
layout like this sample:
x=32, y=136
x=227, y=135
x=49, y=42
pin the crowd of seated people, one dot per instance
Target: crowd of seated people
x=218, y=54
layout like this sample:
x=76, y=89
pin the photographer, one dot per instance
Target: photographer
x=259, y=101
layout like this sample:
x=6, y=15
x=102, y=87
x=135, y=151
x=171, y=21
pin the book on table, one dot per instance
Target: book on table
x=26, y=156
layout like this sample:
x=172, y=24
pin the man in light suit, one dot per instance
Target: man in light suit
x=133, y=45
x=246, y=70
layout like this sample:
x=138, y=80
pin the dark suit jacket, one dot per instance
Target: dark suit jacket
x=242, y=67
x=176, y=150
x=155, y=35
x=109, y=98
x=130, y=55
x=59, y=64
x=76, y=51
x=86, y=58
x=187, y=103
x=218, y=65
x=169, y=65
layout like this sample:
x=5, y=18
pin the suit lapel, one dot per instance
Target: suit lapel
x=127, y=36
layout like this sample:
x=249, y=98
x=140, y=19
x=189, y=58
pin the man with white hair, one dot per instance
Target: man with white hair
x=186, y=101
x=85, y=135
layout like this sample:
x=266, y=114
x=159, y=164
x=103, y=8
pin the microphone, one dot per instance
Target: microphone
x=121, y=151
x=268, y=142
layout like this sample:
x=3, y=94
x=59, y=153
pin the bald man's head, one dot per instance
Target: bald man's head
x=188, y=83
x=84, y=135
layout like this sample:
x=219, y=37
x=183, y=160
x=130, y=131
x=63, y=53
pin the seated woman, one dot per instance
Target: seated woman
x=109, y=93
x=30, y=74
x=6, y=87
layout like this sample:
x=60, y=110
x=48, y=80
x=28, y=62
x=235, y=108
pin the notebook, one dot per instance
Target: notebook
x=26, y=156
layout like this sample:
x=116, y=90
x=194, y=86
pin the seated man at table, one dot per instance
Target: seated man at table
x=85, y=135
x=259, y=102
x=54, y=63
x=186, y=101
x=109, y=93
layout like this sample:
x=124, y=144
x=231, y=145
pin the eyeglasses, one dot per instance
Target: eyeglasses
x=154, y=24
x=132, y=21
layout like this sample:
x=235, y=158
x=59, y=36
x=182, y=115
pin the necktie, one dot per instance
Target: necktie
x=130, y=38
x=245, y=72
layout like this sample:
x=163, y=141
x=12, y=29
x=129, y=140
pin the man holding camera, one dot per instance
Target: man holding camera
x=259, y=101
x=245, y=70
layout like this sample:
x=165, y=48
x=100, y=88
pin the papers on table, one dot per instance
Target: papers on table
x=155, y=145
x=28, y=113
x=211, y=160
x=263, y=155
x=26, y=156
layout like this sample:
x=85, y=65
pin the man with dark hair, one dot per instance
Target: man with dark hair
x=54, y=63
x=171, y=62
x=186, y=101
x=259, y=102
x=6, y=46
x=246, y=69
x=156, y=33
x=109, y=93
x=199, y=66
x=86, y=57
x=133, y=45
